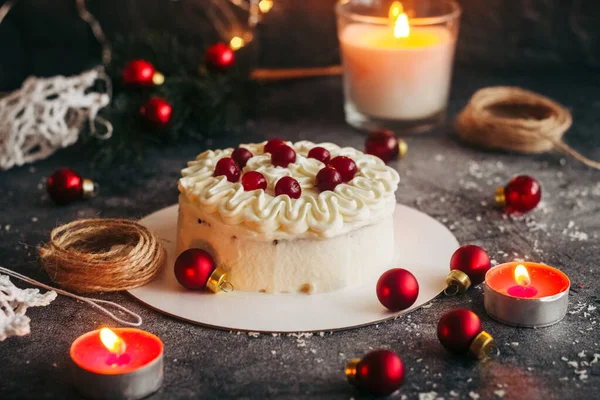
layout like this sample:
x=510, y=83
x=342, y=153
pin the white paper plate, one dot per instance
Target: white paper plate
x=424, y=246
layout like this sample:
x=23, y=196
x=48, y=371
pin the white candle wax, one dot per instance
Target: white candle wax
x=397, y=78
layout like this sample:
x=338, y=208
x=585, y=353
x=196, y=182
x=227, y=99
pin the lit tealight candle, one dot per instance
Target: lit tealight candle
x=123, y=363
x=523, y=288
x=526, y=294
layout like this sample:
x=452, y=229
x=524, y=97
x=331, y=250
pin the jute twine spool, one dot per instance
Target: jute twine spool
x=511, y=118
x=102, y=255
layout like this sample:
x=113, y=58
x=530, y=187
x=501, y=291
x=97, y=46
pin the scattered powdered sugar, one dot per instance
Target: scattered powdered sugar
x=253, y=334
x=469, y=185
x=473, y=395
x=574, y=233
x=301, y=338
x=578, y=366
x=428, y=396
x=579, y=307
x=582, y=374
x=500, y=393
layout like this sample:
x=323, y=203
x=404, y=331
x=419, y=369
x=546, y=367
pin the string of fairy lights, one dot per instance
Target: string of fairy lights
x=226, y=22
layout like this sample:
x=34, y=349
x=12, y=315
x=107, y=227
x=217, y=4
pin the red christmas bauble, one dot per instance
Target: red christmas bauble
x=379, y=373
x=219, y=57
x=473, y=261
x=320, y=153
x=157, y=111
x=522, y=194
x=345, y=166
x=283, y=155
x=253, y=180
x=272, y=144
x=241, y=156
x=288, y=185
x=141, y=73
x=328, y=178
x=193, y=267
x=457, y=329
x=397, y=289
x=382, y=144
x=227, y=167
x=65, y=186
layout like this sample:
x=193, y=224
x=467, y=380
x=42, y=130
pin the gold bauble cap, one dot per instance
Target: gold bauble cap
x=402, y=148
x=218, y=281
x=351, y=369
x=483, y=346
x=89, y=188
x=500, y=197
x=458, y=282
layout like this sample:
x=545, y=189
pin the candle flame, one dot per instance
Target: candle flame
x=399, y=20
x=112, y=342
x=522, y=275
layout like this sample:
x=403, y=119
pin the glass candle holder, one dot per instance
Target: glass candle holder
x=397, y=59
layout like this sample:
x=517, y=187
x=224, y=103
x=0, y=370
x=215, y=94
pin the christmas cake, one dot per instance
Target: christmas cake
x=282, y=217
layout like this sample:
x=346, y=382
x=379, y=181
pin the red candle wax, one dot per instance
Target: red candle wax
x=140, y=349
x=543, y=281
x=526, y=292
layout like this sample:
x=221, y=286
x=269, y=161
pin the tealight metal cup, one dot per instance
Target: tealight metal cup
x=128, y=386
x=525, y=312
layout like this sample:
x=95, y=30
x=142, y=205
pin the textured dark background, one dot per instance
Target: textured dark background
x=441, y=177
x=45, y=37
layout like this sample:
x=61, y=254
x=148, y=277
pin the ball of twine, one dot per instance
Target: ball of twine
x=102, y=255
x=511, y=118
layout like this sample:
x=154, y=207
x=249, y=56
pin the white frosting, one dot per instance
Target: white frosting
x=366, y=199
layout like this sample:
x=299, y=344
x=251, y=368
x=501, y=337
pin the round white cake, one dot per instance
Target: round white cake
x=322, y=241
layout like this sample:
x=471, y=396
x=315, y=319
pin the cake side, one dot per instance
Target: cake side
x=365, y=200
x=308, y=265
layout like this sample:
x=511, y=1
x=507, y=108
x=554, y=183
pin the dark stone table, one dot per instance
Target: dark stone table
x=441, y=177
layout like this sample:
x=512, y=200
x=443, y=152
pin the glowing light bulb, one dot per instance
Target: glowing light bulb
x=236, y=43
x=265, y=6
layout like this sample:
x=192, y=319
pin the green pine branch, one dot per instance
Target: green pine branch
x=204, y=103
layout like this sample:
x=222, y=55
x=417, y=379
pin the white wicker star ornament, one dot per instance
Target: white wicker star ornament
x=14, y=302
x=47, y=114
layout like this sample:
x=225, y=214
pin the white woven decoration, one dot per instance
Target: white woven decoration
x=47, y=114
x=13, y=305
